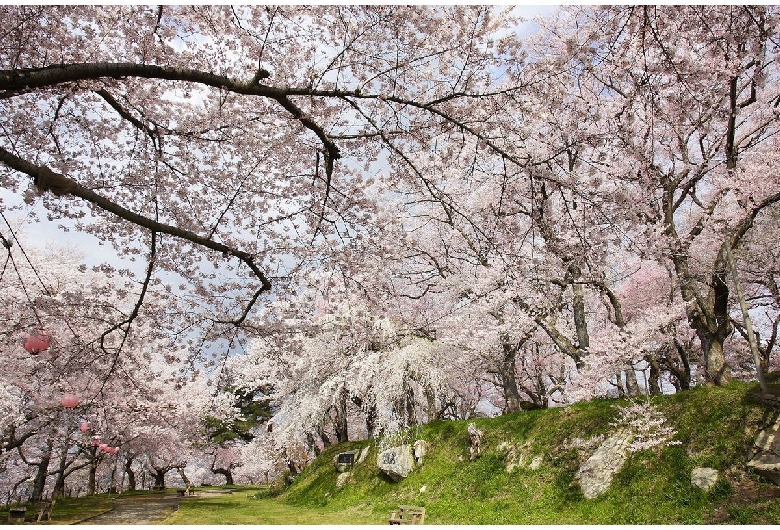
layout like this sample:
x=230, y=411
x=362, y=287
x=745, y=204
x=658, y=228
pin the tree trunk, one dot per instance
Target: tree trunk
x=131, y=484
x=59, y=482
x=159, y=477
x=653, y=382
x=716, y=370
x=340, y=421
x=411, y=414
x=714, y=335
x=184, y=477
x=372, y=416
x=227, y=473
x=508, y=377
x=39, y=483
x=311, y=443
x=93, y=463
x=632, y=386
x=430, y=398
x=578, y=306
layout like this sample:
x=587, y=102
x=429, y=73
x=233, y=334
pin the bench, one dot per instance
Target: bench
x=44, y=511
x=16, y=515
x=407, y=515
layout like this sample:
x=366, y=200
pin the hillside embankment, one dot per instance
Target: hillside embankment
x=538, y=467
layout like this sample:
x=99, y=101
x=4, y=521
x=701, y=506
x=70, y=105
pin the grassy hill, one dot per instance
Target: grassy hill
x=715, y=428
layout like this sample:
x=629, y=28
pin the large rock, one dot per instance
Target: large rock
x=595, y=474
x=342, y=479
x=765, y=456
x=396, y=462
x=704, y=477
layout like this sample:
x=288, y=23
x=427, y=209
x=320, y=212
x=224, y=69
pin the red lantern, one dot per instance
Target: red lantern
x=85, y=426
x=69, y=400
x=38, y=340
x=96, y=440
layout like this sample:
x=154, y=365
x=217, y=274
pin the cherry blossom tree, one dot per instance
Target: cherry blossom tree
x=378, y=215
x=230, y=145
x=119, y=395
x=692, y=102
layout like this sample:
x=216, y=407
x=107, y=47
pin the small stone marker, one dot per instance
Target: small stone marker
x=344, y=461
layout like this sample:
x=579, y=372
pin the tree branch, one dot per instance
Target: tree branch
x=23, y=80
x=47, y=180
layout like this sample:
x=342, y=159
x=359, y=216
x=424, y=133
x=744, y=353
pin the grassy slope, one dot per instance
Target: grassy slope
x=715, y=425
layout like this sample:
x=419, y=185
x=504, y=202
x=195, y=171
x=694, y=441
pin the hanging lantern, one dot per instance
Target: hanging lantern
x=85, y=426
x=69, y=400
x=38, y=340
x=96, y=440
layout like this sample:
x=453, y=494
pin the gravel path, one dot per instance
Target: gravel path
x=137, y=509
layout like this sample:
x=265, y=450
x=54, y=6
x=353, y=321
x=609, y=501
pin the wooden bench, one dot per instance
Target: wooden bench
x=44, y=511
x=408, y=515
x=16, y=515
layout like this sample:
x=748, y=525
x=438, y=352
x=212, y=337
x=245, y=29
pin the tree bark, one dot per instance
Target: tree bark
x=340, y=421
x=227, y=473
x=92, y=471
x=632, y=386
x=184, y=477
x=159, y=476
x=653, y=381
x=59, y=481
x=42, y=471
x=508, y=377
x=128, y=467
x=578, y=307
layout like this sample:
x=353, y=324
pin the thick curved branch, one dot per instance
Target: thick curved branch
x=561, y=341
x=47, y=180
x=617, y=319
x=746, y=223
x=22, y=80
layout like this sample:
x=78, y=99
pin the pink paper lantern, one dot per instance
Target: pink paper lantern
x=69, y=400
x=37, y=340
x=113, y=450
x=85, y=426
x=103, y=447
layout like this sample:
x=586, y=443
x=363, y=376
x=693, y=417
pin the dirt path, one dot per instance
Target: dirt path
x=138, y=509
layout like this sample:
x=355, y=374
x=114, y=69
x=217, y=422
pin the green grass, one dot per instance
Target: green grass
x=69, y=510
x=239, y=508
x=714, y=425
